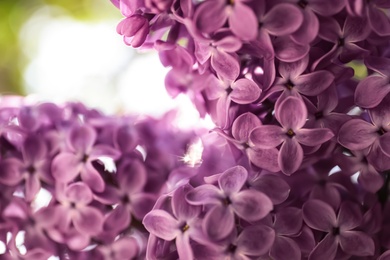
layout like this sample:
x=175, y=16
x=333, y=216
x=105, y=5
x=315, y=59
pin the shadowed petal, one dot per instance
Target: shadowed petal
x=285, y=248
x=288, y=51
x=33, y=185
x=325, y=250
x=218, y=222
x=273, y=186
x=92, y=178
x=245, y=91
x=371, y=91
x=378, y=64
x=243, y=22
x=82, y=138
x=290, y=156
x=288, y=221
x=308, y=30
x=10, y=171
x=255, y=240
x=357, y=243
x=210, y=16
x=88, y=220
x=292, y=19
x=161, y=224
x=117, y=220
x=103, y=150
x=141, y=204
x=292, y=113
x=34, y=149
x=319, y=215
x=379, y=21
x=327, y=8
x=291, y=70
x=251, y=205
x=232, y=180
x=125, y=248
x=357, y=134
x=350, y=216
x=132, y=176
x=356, y=29
x=313, y=137
x=266, y=136
x=384, y=143
x=314, y=83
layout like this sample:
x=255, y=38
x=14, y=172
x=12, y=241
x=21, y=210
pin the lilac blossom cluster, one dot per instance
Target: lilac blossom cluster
x=309, y=138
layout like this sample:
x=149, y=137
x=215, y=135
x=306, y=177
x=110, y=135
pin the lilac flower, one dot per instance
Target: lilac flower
x=227, y=201
x=340, y=230
x=292, y=115
x=82, y=152
x=123, y=248
x=74, y=210
x=180, y=225
x=373, y=89
x=134, y=29
x=212, y=15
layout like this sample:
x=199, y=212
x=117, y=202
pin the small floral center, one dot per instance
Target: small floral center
x=227, y=201
x=289, y=85
x=340, y=42
x=230, y=2
x=125, y=199
x=185, y=227
x=302, y=4
x=381, y=131
x=229, y=90
x=322, y=182
x=290, y=133
x=336, y=231
x=85, y=157
x=232, y=248
x=318, y=115
x=72, y=205
x=31, y=169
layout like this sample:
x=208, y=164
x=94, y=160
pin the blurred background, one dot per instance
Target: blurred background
x=68, y=50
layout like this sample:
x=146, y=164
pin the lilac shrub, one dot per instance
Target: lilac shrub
x=297, y=166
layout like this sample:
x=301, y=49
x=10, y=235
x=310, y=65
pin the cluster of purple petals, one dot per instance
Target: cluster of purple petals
x=309, y=140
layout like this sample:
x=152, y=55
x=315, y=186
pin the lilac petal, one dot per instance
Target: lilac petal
x=378, y=158
x=273, y=186
x=357, y=134
x=10, y=171
x=329, y=29
x=218, y=222
x=132, y=176
x=141, y=204
x=33, y=185
x=229, y=44
x=350, y=216
x=385, y=255
x=327, y=8
x=102, y=150
x=356, y=29
x=251, y=205
x=65, y=167
x=325, y=250
x=308, y=30
x=288, y=51
x=370, y=180
x=313, y=137
x=319, y=215
x=290, y=156
x=305, y=240
x=245, y=91
x=378, y=64
x=314, y=83
x=82, y=138
x=203, y=194
x=77, y=240
x=266, y=159
x=225, y=65
x=126, y=138
x=243, y=125
x=255, y=240
x=161, y=224
x=285, y=248
x=125, y=248
x=88, y=220
x=92, y=178
x=292, y=19
x=117, y=219
x=379, y=21
x=292, y=113
x=243, y=22
x=202, y=52
x=183, y=246
x=382, y=3
x=357, y=243
x=291, y=70
x=34, y=149
x=288, y=221
x=78, y=192
x=266, y=136
x=181, y=209
x=232, y=180
x=384, y=143
x=210, y=11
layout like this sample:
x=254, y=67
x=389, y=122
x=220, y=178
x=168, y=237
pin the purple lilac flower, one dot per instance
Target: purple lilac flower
x=340, y=230
x=228, y=201
x=292, y=115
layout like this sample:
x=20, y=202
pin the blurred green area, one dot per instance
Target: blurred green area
x=14, y=13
